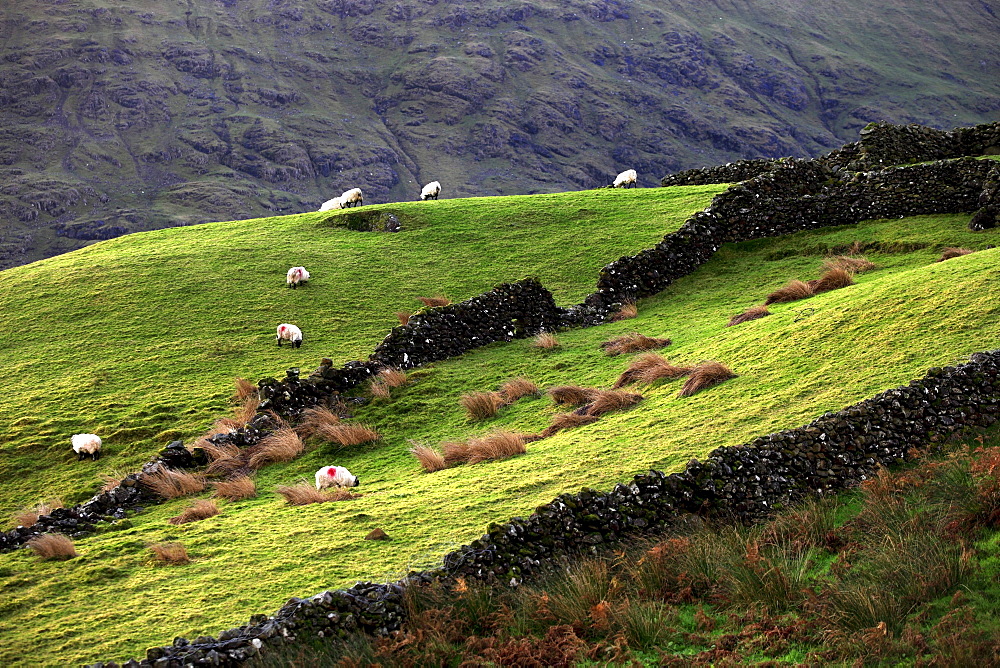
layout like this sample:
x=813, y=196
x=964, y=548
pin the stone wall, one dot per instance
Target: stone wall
x=743, y=483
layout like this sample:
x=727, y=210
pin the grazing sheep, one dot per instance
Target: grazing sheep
x=626, y=179
x=87, y=444
x=431, y=190
x=351, y=197
x=335, y=476
x=296, y=276
x=331, y=204
x=291, y=333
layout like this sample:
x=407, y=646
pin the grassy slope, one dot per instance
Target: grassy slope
x=910, y=315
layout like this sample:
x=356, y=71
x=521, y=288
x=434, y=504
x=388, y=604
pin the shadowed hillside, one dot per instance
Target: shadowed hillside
x=118, y=118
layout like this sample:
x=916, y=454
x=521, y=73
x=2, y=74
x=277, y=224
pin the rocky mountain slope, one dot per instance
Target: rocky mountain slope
x=116, y=118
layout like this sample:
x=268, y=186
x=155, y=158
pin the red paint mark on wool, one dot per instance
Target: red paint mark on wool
x=332, y=471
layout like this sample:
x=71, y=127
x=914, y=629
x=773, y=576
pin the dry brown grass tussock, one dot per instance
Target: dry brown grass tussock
x=52, y=546
x=649, y=368
x=392, y=377
x=430, y=459
x=705, y=375
x=562, y=421
x=611, y=400
x=173, y=554
x=316, y=419
x=951, y=252
x=199, y=510
x=516, y=388
x=832, y=279
x=345, y=434
x=498, y=445
x=404, y=317
x=113, y=479
x=244, y=390
x=632, y=343
x=455, y=452
x=283, y=445
x=237, y=489
x=573, y=395
x=794, y=291
x=378, y=389
x=244, y=412
x=303, y=493
x=627, y=311
x=170, y=483
x=29, y=516
x=545, y=341
x=223, y=459
x=854, y=265
x=752, y=313
x=435, y=301
x=481, y=405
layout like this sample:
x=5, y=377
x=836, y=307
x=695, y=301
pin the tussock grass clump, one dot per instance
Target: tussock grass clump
x=54, y=546
x=481, y=405
x=237, y=489
x=632, y=343
x=562, y=421
x=794, y=291
x=545, y=341
x=498, y=445
x=608, y=401
x=953, y=252
x=704, y=376
x=173, y=554
x=303, y=493
x=244, y=390
x=455, y=452
x=171, y=484
x=832, y=279
x=113, y=479
x=854, y=265
x=345, y=434
x=378, y=389
x=199, y=510
x=245, y=411
x=223, y=459
x=517, y=388
x=435, y=302
x=752, y=313
x=283, y=445
x=627, y=311
x=316, y=419
x=430, y=459
x=403, y=316
x=30, y=516
x=649, y=368
x=392, y=377
x=574, y=395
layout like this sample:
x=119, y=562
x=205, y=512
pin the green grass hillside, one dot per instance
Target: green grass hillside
x=201, y=307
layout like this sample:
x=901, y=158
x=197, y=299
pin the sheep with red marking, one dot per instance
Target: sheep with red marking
x=86, y=444
x=290, y=333
x=296, y=276
x=335, y=476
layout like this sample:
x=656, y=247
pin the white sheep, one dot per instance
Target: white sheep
x=296, y=276
x=626, y=179
x=335, y=476
x=287, y=332
x=352, y=197
x=431, y=190
x=331, y=204
x=87, y=444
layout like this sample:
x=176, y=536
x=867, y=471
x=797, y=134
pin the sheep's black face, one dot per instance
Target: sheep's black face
x=356, y=482
x=297, y=343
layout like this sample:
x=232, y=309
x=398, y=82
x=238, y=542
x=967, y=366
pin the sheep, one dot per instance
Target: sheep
x=296, y=276
x=626, y=179
x=87, y=444
x=331, y=204
x=431, y=190
x=287, y=332
x=351, y=197
x=335, y=476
